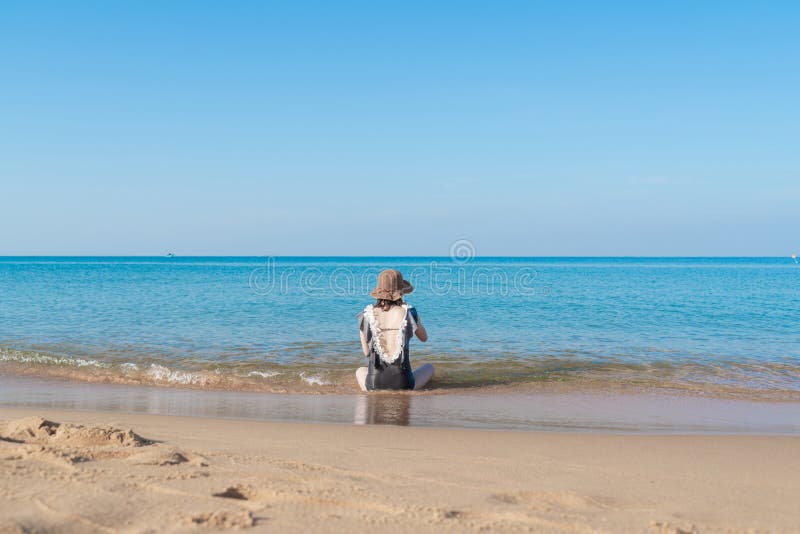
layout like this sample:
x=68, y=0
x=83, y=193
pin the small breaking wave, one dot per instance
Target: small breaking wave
x=263, y=374
x=18, y=356
x=314, y=380
x=454, y=374
x=159, y=373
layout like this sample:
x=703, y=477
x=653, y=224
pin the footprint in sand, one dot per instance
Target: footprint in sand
x=451, y=514
x=163, y=456
x=242, y=493
x=668, y=528
x=549, y=500
x=223, y=519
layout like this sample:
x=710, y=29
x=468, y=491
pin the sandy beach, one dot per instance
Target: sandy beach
x=414, y=267
x=74, y=471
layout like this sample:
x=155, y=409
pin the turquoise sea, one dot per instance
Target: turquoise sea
x=287, y=324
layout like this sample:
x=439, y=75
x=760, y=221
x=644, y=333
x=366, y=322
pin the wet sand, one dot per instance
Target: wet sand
x=159, y=473
x=560, y=409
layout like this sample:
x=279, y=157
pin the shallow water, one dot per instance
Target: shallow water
x=555, y=411
x=288, y=324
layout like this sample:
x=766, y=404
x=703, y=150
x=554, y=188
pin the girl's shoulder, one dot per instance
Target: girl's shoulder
x=367, y=309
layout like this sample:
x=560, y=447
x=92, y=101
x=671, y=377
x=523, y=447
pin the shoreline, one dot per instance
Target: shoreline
x=190, y=473
x=340, y=381
x=551, y=409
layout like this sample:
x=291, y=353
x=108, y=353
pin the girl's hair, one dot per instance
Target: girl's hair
x=386, y=304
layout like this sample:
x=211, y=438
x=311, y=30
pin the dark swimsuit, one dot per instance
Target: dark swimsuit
x=388, y=371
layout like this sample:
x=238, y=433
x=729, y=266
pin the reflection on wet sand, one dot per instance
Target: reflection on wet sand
x=575, y=411
x=382, y=409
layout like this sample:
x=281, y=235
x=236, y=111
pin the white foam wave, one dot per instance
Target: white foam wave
x=165, y=374
x=314, y=380
x=17, y=356
x=263, y=374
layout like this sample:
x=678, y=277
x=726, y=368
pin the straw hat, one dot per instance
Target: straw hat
x=391, y=285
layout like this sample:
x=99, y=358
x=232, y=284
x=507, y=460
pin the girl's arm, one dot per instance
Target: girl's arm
x=362, y=327
x=421, y=333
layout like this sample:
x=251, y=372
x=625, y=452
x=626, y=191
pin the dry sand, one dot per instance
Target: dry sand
x=98, y=472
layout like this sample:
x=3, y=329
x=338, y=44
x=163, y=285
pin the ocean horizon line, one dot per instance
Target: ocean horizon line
x=358, y=256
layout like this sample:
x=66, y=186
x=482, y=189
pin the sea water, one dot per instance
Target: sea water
x=288, y=324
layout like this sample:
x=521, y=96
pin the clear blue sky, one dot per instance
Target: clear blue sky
x=371, y=128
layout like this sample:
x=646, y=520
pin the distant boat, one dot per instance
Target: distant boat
x=170, y=254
